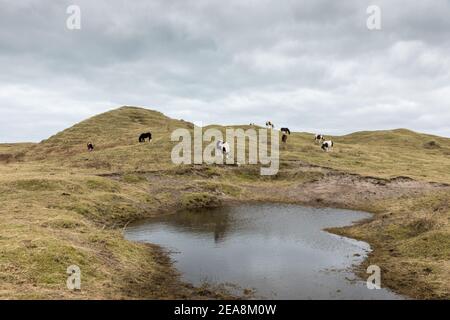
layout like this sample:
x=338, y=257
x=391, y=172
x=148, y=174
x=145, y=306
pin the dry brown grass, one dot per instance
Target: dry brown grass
x=62, y=205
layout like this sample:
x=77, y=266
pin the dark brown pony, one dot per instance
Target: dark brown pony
x=144, y=136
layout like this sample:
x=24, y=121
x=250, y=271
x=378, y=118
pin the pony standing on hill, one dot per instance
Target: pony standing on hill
x=270, y=125
x=285, y=131
x=319, y=137
x=327, y=145
x=144, y=136
x=224, y=148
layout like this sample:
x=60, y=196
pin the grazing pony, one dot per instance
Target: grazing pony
x=90, y=147
x=144, y=136
x=269, y=124
x=318, y=137
x=327, y=145
x=286, y=131
x=224, y=148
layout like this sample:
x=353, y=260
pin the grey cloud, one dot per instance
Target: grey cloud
x=311, y=64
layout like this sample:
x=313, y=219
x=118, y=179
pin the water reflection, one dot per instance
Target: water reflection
x=215, y=222
x=280, y=250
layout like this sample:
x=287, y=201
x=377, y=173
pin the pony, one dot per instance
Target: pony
x=144, y=136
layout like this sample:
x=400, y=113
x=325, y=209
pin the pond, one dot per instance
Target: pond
x=280, y=251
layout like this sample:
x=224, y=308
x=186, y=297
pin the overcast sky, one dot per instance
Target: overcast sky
x=309, y=65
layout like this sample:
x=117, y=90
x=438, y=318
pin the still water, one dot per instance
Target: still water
x=280, y=251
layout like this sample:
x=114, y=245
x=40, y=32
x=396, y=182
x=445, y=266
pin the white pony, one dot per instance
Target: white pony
x=223, y=147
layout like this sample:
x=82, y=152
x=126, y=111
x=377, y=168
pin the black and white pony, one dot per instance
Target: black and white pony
x=144, y=136
x=285, y=131
x=327, y=145
x=270, y=125
x=224, y=148
x=318, y=137
x=90, y=147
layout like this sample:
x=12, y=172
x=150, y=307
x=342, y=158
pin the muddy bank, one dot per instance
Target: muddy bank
x=343, y=190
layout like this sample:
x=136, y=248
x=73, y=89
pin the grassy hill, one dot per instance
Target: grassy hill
x=62, y=205
x=384, y=154
x=115, y=137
